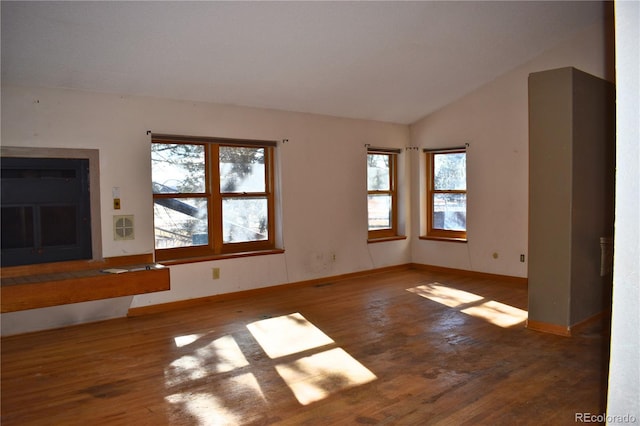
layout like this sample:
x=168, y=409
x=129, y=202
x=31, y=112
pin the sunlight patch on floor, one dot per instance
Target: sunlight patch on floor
x=204, y=407
x=496, y=313
x=249, y=384
x=317, y=376
x=186, y=340
x=218, y=356
x=287, y=334
x=312, y=377
x=183, y=369
x=447, y=296
x=307, y=361
x=225, y=352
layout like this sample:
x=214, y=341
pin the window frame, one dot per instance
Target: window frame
x=435, y=233
x=378, y=234
x=215, y=197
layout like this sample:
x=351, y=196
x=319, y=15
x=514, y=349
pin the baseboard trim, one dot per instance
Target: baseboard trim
x=545, y=327
x=475, y=274
x=563, y=330
x=182, y=304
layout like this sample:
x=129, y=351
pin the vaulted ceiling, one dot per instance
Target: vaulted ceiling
x=389, y=61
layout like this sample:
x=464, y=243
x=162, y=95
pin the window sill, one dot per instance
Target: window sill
x=170, y=262
x=384, y=239
x=449, y=239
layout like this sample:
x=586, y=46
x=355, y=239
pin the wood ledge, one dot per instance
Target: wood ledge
x=52, y=284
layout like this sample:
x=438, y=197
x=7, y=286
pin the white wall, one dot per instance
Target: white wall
x=624, y=369
x=322, y=173
x=494, y=121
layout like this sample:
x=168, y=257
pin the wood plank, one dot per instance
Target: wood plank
x=92, y=285
x=206, y=364
x=53, y=284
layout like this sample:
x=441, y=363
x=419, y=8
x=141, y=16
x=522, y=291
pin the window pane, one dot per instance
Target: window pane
x=17, y=227
x=450, y=212
x=180, y=222
x=244, y=219
x=177, y=168
x=58, y=225
x=242, y=169
x=378, y=172
x=450, y=171
x=379, y=211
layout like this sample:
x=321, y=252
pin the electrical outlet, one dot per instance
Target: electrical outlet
x=215, y=273
x=116, y=203
x=522, y=258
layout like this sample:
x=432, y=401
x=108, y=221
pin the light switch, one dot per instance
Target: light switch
x=115, y=193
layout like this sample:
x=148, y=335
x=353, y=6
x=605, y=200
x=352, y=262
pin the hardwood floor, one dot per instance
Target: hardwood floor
x=401, y=348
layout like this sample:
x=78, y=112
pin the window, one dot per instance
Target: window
x=447, y=194
x=382, y=193
x=211, y=196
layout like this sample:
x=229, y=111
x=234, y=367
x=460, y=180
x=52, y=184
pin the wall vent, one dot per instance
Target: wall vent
x=123, y=228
